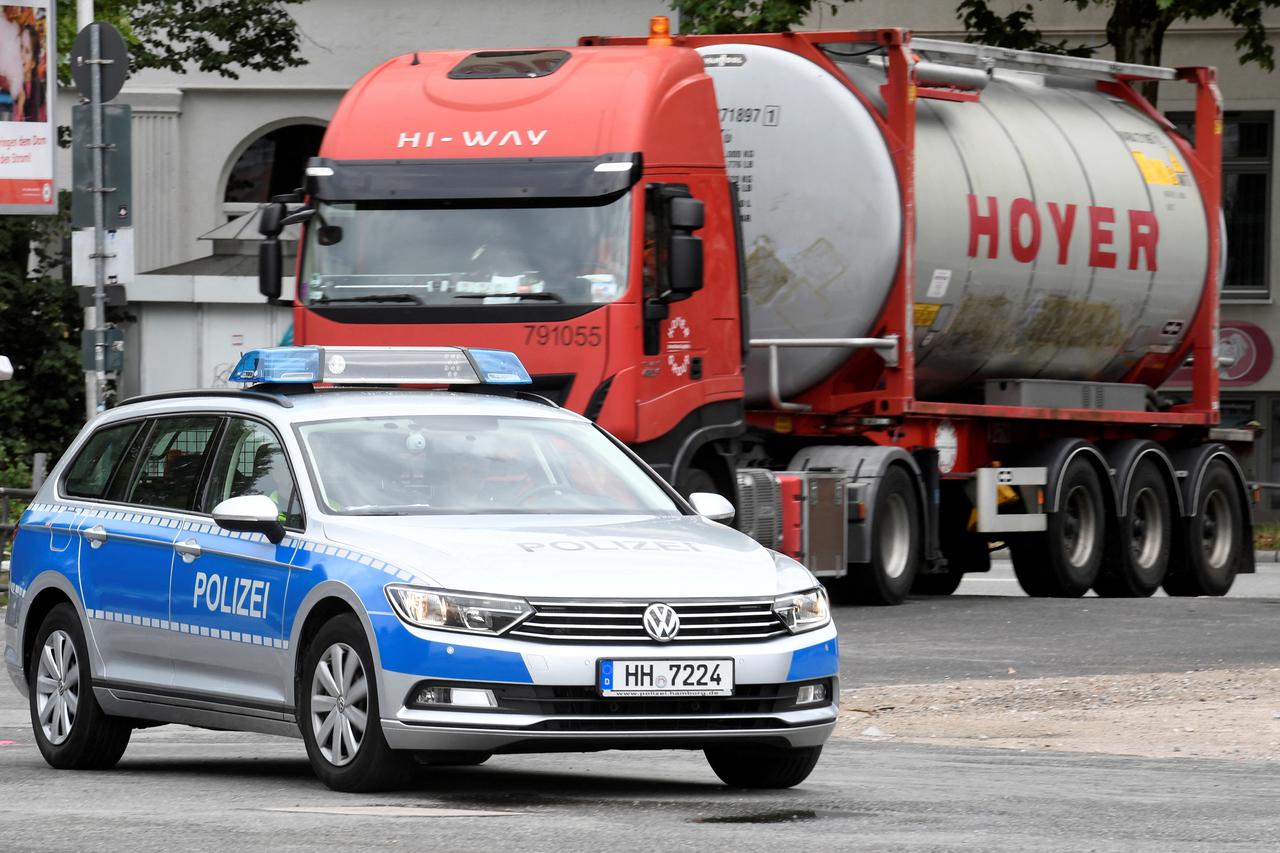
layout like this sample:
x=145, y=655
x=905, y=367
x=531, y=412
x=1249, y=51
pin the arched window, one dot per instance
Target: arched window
x=272, y=164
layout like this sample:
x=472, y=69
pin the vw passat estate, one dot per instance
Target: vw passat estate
x=401, y=577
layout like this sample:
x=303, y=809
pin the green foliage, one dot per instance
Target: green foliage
x=42, y=407
x=1014, y=30
x=744, y=16
x=1132, y=26
x=218, y=36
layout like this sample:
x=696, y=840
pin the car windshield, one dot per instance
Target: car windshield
x=474, y=464
x=371, y=253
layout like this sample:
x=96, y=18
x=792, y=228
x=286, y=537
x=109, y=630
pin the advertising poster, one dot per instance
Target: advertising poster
x=27, y=131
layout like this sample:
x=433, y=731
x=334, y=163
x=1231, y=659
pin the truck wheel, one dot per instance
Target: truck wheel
x=763, y=767
x=1139, y=553
x=696, y=480
x=1064, y=561
x=895, y=543
x=338, y=712
x=1206, y=565
x=71, y=730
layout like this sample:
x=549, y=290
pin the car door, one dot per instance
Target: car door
x=228, y=588
x=127, y=546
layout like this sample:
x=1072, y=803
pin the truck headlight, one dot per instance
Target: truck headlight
x=453, y=611
x=803, y=611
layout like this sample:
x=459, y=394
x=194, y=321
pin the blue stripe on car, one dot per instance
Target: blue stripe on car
x=815, y=661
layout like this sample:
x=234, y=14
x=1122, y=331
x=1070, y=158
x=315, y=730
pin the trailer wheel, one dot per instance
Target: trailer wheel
x=895, y=543
x=1206, y=565
x=1139, y=556
x=1064, y=561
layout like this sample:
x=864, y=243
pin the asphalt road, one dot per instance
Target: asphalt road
x=181, y=788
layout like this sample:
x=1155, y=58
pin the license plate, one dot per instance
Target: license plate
x=661, y=677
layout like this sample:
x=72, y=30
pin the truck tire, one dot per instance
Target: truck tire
x=895, y=543
x=1213, y=538
x=696, y=480
x=1139, y=554
x=763, y=767
x=71, y=730
x=1064, y=561
x=346, y=755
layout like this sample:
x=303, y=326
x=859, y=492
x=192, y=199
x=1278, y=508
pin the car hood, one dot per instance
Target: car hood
x=575, y=556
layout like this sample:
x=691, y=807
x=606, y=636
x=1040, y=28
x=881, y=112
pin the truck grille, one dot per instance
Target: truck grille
x=623, y=621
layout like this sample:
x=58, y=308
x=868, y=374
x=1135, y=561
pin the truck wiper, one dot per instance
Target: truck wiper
x=325, y=299
x=541, y=297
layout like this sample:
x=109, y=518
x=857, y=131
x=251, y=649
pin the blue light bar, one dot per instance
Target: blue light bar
x=499, y=367
x=381, y=366
x=279, y=364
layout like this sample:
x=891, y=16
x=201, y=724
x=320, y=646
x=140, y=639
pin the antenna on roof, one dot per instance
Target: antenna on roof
x=415, y=61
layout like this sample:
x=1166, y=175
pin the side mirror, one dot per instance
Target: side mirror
x=269, y=264
x=684, y=215
x=250, y=514
x=6, y=368
x=713, y=506
x=271, y=220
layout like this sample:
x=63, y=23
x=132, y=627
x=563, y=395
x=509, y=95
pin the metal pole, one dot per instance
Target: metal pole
x=84, y=17
x=99, y=222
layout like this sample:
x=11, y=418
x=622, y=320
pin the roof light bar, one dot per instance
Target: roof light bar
x=381, y=366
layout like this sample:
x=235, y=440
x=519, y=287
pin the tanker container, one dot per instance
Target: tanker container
x=1059, y=234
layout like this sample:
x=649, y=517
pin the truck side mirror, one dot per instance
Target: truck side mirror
x=686, y=216
x=269, y=264
x=271, y=219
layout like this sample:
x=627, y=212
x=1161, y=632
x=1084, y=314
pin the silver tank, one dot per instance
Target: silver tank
x=1105, y=263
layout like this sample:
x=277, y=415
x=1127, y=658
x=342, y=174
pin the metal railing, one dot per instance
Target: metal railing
x=886, y=347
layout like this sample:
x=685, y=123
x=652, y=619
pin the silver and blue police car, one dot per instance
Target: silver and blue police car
x=403, y=577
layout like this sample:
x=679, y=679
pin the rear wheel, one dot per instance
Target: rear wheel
x=696, y=480
x=1064, y=561
x=71, y=730
x=1214, y=536
x=339, y=715
x=763, y=767
x=1139, y=552
x=895, y=543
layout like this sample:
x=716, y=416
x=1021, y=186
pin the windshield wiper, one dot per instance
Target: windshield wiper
x=324, y=299
x=541, y=297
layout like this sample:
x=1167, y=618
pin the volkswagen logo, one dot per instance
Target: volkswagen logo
x=661, y=622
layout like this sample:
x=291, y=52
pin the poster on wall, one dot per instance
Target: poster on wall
x=28, y=135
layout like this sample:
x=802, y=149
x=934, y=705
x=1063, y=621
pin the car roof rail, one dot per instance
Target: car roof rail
x=266, y=393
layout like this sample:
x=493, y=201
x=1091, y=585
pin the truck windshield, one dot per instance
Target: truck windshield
x=474, y=464
x=455, y=255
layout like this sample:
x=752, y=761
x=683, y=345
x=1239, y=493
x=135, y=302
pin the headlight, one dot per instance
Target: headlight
x=803, y=611
x=452, y=611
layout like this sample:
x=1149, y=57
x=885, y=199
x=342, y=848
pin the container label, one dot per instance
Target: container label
x=938, y=284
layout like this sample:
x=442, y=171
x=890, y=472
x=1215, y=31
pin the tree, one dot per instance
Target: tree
x=216, y=36
x=1135, y=28
x=42, y=407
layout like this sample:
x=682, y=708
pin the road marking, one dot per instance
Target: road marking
x=390, y=811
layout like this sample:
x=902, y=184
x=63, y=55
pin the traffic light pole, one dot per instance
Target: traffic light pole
x=84, y=17
x=99, y=224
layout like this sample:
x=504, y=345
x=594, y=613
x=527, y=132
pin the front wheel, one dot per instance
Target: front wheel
x=895, y=543
x=338, y=712
x=763, y=767
x=71, y=730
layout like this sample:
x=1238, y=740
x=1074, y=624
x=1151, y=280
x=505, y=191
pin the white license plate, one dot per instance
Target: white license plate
x=666, y=677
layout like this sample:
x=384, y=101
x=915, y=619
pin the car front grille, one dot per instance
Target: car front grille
x=701, y=621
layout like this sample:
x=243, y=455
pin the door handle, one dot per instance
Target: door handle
x=189, y=549
x=96, y=535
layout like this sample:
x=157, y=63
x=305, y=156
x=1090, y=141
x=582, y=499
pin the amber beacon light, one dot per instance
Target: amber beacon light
x=659, y=31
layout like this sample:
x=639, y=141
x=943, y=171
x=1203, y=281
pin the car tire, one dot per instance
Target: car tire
x=1064, y=561
x=71, y=730
x=1138, y=552
x=763, y=767
x=345, y=755
x=895, y=543
x=1214, y=537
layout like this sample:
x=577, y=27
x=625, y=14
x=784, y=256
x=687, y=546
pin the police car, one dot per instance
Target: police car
x=403, y=577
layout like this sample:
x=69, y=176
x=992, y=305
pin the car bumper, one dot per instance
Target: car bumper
x=547, y=698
